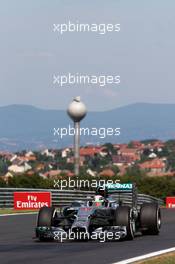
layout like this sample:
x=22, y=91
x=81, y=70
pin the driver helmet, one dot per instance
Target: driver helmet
x=98, y=200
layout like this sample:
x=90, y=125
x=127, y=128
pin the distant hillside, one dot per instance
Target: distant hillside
x=27, y=127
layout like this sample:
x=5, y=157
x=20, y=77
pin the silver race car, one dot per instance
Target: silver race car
x=103, y=217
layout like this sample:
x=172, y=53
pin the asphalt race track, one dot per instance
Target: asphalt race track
x=17, y=245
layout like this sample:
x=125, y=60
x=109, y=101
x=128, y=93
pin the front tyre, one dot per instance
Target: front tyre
x=124, y=217
x=46, y=216
x=45, y=219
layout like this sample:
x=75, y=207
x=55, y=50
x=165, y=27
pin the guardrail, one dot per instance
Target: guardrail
x=141, y=198
x=59, y=197
x=65, y=197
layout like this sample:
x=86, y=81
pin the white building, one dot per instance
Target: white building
x=19, y=169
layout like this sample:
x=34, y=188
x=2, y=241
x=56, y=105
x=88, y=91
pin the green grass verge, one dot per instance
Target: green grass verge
x=12, y=211
x=164, y=259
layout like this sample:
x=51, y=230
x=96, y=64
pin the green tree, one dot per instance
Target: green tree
x=2, y=182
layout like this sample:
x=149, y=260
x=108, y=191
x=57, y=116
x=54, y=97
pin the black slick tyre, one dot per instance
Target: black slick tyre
x=150, y=219
x=124, y=217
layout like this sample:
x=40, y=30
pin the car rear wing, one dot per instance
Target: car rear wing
x=117, y=188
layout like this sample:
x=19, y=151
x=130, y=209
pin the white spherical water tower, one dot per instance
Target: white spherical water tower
x=77, y=111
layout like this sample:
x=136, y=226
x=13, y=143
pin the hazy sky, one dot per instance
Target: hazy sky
x=142, y=53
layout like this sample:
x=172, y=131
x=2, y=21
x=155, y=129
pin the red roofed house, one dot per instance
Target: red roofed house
x=89, y=151
x=134, y=154
x=55, y=173
x=155, y=166
x=107, y=172
x=137, y=145
x=72, y=160
x=155, y=145
x=120, y=146
x=158, y=144
x=52, y=174
x=119, y=160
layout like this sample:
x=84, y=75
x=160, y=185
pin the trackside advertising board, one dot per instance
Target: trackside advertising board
x=31, y=200
x=170, y=202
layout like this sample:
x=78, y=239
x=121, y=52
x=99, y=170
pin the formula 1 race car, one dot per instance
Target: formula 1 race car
x=103, y=216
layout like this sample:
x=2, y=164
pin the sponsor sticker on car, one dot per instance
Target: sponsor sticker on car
x=120, y=186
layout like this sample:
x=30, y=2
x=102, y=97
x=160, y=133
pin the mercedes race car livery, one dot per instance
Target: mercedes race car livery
x=103, y=217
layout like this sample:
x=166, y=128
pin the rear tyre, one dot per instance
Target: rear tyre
x=124, y=217
x=150, y=219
